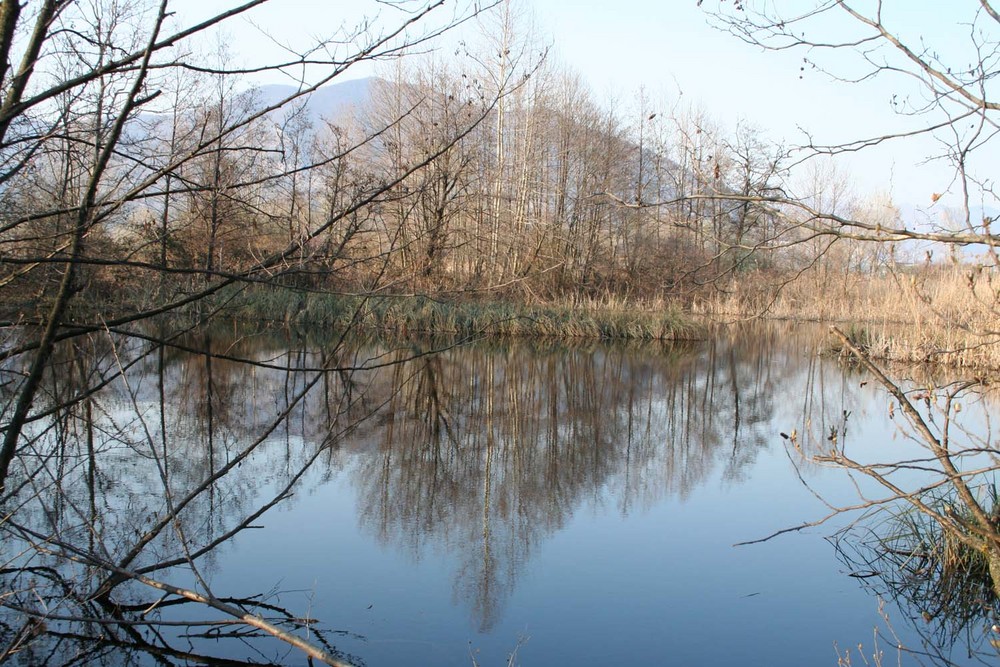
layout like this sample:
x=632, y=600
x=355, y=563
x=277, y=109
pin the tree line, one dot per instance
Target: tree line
x=491, y=171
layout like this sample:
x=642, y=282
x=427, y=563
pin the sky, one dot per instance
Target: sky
x=670, y=49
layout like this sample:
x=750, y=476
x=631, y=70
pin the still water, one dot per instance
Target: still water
x=492, y=503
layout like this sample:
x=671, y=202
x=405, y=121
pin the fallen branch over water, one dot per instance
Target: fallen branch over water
x=77, y=555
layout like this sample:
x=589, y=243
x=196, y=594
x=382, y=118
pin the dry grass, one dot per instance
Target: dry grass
x=605, y=319
x=928, y=567
x=948, y=315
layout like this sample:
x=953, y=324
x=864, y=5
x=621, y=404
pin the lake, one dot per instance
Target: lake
x=490, y=503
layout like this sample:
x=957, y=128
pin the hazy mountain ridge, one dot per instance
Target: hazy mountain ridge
x=325, y=103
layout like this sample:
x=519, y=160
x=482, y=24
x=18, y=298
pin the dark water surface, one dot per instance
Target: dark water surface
x=577, y=505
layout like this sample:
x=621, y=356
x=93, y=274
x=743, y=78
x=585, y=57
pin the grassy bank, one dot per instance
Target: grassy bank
x=947, y=315
x=406, y=315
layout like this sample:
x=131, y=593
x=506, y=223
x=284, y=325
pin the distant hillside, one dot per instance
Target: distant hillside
x=326, y=102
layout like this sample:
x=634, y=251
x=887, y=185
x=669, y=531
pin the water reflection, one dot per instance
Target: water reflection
x=922, y=496
x=479, y=452
x=483, y=450
x=132, y=475
x=487, y=450
x=943, y=586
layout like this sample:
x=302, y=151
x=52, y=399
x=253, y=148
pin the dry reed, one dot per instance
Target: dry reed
x=604, y=319
x=939, y=314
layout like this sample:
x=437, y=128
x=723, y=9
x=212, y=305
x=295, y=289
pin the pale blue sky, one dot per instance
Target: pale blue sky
x=669, y=48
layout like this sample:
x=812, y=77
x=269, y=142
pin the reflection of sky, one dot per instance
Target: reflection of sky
x=630, y=560
x=664, y=584
x=659, y=584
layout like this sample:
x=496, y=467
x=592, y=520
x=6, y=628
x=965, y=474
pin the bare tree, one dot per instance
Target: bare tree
x=940, y=95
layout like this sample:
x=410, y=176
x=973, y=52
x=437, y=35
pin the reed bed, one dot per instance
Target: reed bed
x=947, y=315
x=929, y=568
x=607, y=319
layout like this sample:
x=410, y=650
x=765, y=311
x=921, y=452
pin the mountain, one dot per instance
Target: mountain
x=325, y=103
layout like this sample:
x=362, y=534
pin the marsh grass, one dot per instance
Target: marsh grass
x=913, y=559
x=941, y=314
x=420, y=315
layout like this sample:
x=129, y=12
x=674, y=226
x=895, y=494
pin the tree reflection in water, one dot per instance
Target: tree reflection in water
x=490, y=449
x=483, y=450
x=150, y=474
